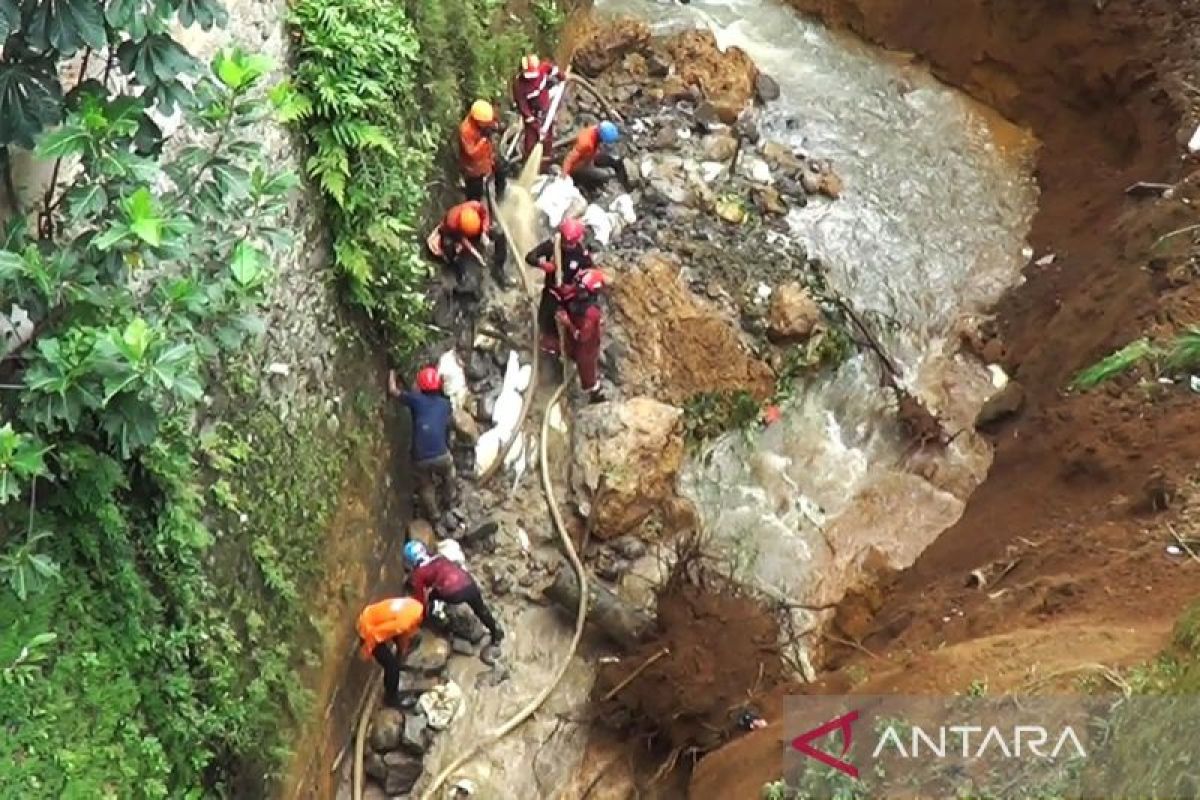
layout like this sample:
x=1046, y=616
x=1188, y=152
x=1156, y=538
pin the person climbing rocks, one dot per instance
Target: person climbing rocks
x=385, y=630
x=477, y=154
x=575, y=258
x=460, y=240
x=437, y=578
x=531, y=90
x=432, y=417
x=592, y=162
x=583, y=323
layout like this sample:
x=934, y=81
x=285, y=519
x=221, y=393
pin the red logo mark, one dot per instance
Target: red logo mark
x=842, y=723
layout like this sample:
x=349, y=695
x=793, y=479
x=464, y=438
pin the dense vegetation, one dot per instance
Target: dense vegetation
x=153, y=560
x=380, y=89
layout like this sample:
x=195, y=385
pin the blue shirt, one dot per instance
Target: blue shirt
x=431, y=415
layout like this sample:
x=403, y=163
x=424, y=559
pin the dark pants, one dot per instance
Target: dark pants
x=548, y=306
x=592, y=177
x=476, y=188
x=387, y=658
x=473, y=598
x=435, y=481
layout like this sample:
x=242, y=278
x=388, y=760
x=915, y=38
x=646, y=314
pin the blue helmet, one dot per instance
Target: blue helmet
x=415, y=553
x=609, y=132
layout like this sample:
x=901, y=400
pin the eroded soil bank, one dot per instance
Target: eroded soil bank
x=1071, y=525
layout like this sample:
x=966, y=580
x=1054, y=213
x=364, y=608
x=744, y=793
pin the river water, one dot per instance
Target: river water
x=929, y=231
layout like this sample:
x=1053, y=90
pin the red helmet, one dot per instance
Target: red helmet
x=428, y=380
x=592, y=280
x=572, y=231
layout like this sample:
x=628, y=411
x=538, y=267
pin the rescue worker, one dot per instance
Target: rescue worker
x=531, y=93
x=462, y=237
x=575, y=258
x=432, y=417
x=583, y=322
x=476, y=153
x=592, y=157
x=437, y=578
x=385, y=630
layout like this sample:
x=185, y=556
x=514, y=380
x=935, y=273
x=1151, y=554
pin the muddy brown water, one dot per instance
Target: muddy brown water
x=929, y=233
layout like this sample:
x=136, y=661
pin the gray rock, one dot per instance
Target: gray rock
x=719, y=147
x=462, y=647
x=429, y=656
x=373, y=791
x=479, y=366
x=403, y=772
x=493, y=677
x=1003, y=404
x=374, y=767
x=629, y=547
x=665, y=139
x=385, y=730
x=415, y=737
x=657, y=66
x=766, y=88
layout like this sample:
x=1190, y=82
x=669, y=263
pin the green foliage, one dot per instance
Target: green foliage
x=1183, y=353
x=710, y=414
x=378, y=91
x=549, y=15
x=161, y=688
x=1111, y=366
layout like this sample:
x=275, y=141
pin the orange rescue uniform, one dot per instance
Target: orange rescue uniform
x=587, y=144
x=475, y=153
x=389, y=619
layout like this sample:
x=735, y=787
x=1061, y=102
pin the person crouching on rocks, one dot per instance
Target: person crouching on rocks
x=583, y=323
x=437, y=578
x=591, y=162
x=385, y=630
x=460, y=241
x=432, y=417
x=575, y=258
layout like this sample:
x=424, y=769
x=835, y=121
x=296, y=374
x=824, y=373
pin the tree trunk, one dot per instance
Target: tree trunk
x=616, y=619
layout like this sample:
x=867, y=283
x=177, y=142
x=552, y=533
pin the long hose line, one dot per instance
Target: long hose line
x=580, y=615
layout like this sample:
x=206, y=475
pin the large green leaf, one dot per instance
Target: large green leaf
x=155, y=60
x=205, y=13
x=30, y=102
x=65, y=25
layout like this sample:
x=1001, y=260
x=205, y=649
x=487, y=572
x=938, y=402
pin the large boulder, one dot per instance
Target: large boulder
x=726, y=77
x=793, y=313
x=403, y=772
x=606, y=43
x=676, y=344
x=430, y=655
x=627, y=460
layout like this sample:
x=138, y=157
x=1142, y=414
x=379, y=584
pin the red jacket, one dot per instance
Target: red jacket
x=532, y=95
x=439, y=575
x=585, y=324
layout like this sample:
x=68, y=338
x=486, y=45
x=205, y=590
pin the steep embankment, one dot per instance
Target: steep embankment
x=1098, y=88
x=1064, y=530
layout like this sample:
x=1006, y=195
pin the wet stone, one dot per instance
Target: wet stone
x=414, y=738
x=374, y=767
x=766, y=88
x=462, y=647
x=403, y=772
x=385, y=730
x=428, y=657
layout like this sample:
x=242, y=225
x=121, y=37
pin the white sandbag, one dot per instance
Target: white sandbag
x=600, y=223
x=560, y=198
x=506, y=413
x=623, y=207
x=442, y=704
x=454, y=380
x=512, y=370
x=452, y=550
x=487, y=450
x=524, y=376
